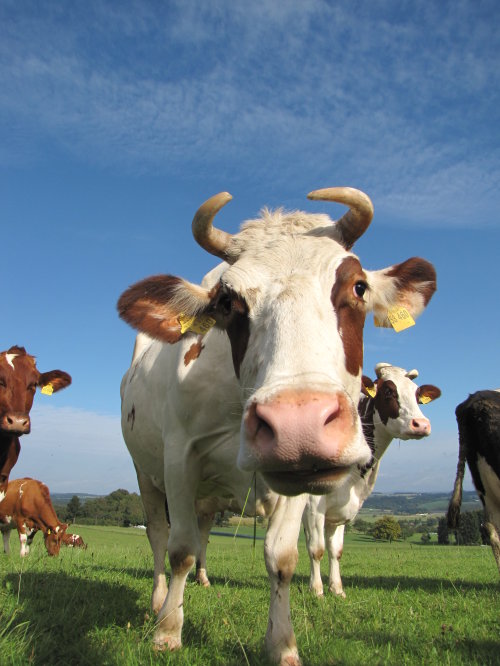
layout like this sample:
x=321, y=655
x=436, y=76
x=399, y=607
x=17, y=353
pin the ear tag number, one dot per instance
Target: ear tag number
x=48, y=389
x=424, y=399
x=371, y=390
x=400, y=318
x=200, y=324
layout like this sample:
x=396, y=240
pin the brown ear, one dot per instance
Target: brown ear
x=427, y=393
x=155, y=304
x=58, y=379
x=368, y=386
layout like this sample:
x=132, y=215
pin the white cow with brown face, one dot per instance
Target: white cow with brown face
x=389, y=409
x=261, y=373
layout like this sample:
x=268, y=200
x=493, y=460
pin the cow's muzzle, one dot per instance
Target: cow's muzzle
x=15, y=423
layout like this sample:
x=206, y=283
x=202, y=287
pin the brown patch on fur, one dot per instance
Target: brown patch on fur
x=180, y=562
x=350, y=312
x=387, y=400
x=413, y=274
x=287, y=564
x=193, y=352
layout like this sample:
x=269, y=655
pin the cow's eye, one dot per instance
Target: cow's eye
x=360, y=288
x=225, y=304
x=32, y=387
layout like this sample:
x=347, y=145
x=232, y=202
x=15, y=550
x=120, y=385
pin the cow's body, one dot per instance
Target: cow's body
x=28, y=508
x=389, y=408
x=19, y=378
x=276, y=396
x=478, y=420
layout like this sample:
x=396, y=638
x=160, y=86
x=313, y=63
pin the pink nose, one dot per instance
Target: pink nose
x=300, y=430
x=421, y=427
x=15, y=423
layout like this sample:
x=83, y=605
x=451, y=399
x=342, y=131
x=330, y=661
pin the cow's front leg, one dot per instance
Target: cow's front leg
x=183, y=547
x=281, y=556
x=153, y=501
x=335, y=545
x=23, y=539
x=314, y=522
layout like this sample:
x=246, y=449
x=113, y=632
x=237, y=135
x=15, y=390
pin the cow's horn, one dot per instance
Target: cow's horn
x=210, y=238
x=354, y=223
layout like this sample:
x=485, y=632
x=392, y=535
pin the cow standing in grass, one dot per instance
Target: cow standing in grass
x=28, y=508
x=19, y=379
x=389, y=408
x=261, y=374
x=478, y=420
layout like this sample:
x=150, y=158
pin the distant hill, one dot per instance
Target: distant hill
x=64, y=498
x=415, y=503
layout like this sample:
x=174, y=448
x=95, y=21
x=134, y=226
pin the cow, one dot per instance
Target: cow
x=260, y=375
x=19, y=379
x=28, y=508
x=478, y=420
x=389, y=408
x=73, y=541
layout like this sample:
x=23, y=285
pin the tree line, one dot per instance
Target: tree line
x=118, y=508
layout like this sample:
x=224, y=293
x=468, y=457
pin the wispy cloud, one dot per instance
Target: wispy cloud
x=386, y=98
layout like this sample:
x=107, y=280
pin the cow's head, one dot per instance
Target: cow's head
x=293, y=301
x=53, y=538
x=396, y=399
x=19, y=378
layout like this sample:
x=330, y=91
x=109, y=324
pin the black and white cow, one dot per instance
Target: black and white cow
x=261, y=374
x=478, y=420
x=389, y=409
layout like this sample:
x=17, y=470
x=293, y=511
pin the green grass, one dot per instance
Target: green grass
x=406, y=604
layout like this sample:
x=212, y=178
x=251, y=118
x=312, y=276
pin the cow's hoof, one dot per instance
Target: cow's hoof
x=291, y=660
x=170, y=643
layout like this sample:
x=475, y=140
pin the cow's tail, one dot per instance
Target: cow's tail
x=456, y=499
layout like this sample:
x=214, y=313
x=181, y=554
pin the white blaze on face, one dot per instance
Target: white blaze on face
x=2, y=495
x=10, y=358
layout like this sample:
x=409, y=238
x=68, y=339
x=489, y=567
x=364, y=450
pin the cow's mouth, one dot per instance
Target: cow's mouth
x=314, y=481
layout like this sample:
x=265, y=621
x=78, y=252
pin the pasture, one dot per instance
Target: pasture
x=406, y=604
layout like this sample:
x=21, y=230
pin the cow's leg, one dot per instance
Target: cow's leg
x=153, y=501
x=6, y=542
x=281, y=555
x=183, y=548
x=205, y=522
x=23, y=538
x=492, y=520
x=335, y=545
x=314, y=521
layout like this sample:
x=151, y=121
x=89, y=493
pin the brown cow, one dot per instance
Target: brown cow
x=73, y=541
x=19, y=379
x=27, y=507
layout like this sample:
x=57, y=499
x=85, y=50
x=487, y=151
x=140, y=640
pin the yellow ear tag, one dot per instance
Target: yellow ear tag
x=424, y=399
x=200, y=324
x=48, y=389
x=400, y=318
x=48, y=531
x=371, y=390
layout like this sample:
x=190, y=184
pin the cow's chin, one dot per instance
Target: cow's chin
x=318, y=482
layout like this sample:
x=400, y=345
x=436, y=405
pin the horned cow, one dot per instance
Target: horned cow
x=261, y=374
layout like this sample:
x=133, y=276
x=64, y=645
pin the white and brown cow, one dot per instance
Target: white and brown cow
x=19, y=379
x=28, y=508
x=389, y=408
x=478, y=420
x=261, y=374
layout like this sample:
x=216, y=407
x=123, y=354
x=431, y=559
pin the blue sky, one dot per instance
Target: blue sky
x=117, y=120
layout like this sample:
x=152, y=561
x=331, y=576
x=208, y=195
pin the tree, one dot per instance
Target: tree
x=73, y=508
x=468, y=532
x=425, y=538
x=386, y=529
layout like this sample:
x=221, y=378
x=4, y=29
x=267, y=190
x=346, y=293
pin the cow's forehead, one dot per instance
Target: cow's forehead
x=17, y=361
x=284, y=260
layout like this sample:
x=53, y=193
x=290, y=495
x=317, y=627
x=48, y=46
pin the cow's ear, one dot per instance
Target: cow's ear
x=162, y=306
x=401, y=290
x=368, y=387
x=427, y=393
x=53, y=381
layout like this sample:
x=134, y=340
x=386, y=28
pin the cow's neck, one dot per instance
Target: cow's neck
x=9, y=453
x=375, y=433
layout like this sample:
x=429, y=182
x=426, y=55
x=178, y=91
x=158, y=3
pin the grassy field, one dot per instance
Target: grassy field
x=406, y=604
